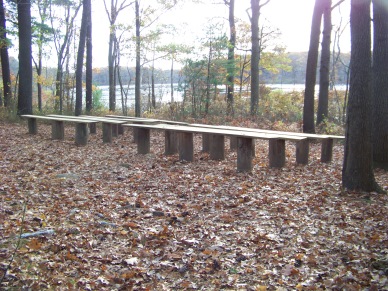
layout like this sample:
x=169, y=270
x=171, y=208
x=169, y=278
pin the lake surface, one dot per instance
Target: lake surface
x=163, y=92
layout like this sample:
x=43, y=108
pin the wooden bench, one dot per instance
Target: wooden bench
x=217, y=151
x=170, y=136
x=109, y=126
x=327, y=141
x=57, y=127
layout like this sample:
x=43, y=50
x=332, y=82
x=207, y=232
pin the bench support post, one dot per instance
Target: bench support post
x=327, y=150
x=277, y=153
x=170, y=142
x=186, y=146
x=32, y=126
x=120, y=129
x=206, y=142
x=244, y=154
x=217, y=147
x=81, y=134
x=302, y=152
x=106, y=132
x=115, y=130
x=92, y=128
x=233, y=143
x=143, y=141
x=57, y=130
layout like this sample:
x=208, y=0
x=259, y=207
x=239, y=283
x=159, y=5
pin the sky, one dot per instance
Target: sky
x=292, y=17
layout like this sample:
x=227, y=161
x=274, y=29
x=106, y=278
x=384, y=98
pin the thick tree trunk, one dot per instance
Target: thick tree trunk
x=324, y=73
x=357, y=172
x=231, y=60
x=89, y=58
x=137, y=70
x=25, y=58
x=311, y=69
x=255, y=59
x=5, y=69
x=80, y=60
x=380, y=84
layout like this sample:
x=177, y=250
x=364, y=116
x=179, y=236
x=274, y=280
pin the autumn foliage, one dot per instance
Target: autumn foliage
x=123, y=221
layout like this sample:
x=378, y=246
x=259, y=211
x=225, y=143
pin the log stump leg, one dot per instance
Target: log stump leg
x=135, y=135
x=143, y=141
x=92, y=128
x=106, y=132
x=302, y=152
x=120, y=129
x=217, y=147
x=186, y=146
x=57, y=130
x=277, y=153
x=233, y=143
x=327, y=150
x=115, y=130
x=170, y=142
x=32, y=126
x=81, y=134
x=244, y=154
x=206, y=142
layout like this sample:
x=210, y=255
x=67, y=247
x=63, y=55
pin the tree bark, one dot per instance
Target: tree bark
x=25, y=57
x=324, y=73
x=80, y=61
x=357, y=172
x=311, y=69
x=89, y=58
x=255, y=59
x=231, y=60
x=5, y=69
x=137, y=70
x=380, y=84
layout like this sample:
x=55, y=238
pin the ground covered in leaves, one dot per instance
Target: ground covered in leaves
x=116, y=220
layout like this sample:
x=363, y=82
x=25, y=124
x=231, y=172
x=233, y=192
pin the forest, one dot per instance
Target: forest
x=102, y=216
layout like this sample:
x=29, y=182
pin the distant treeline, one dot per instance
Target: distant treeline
x=296, y=75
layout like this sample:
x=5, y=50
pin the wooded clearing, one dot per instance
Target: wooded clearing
x=124, y=221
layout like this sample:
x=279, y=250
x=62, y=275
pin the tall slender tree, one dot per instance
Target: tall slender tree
x=5, y=69
x=380, y=84
x=231, y=59
x=311, y=68
x=255, y=58
x=89, y=59
x=357, y=172
x=137, y=69
x=115, y=9
x=324, y=71
x=25, y=57
x=80, y=58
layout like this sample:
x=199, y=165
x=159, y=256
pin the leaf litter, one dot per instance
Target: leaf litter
x=102, y=217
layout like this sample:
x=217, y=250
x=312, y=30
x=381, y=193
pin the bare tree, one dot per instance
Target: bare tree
x=357, y=172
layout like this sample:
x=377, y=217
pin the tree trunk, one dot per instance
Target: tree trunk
x=255, y=59
x=80, y=61
x=25, y=57
x=112, y=79
x=324, y=73
x=311, y=69
x=231, y=60
x=89, y=57
x=137, y=70
x=5, y=69
x=380, y=84
x=172, y=81
x=357, y=172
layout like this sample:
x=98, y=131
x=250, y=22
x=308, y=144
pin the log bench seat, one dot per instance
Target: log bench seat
x=169, y=135
x=327, y=141
x=109, y=126
x=217, y=151
x=58, y=129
